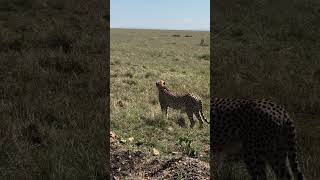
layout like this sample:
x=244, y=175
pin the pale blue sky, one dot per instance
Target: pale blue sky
x=160, y=14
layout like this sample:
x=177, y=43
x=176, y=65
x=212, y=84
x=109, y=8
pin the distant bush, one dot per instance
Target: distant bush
x=204, y=56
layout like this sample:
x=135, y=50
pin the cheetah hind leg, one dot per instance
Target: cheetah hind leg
x=279, y=166
x=199, y=119
x=190, y=116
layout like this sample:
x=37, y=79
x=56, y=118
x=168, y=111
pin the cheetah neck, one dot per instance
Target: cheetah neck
x=167, y=92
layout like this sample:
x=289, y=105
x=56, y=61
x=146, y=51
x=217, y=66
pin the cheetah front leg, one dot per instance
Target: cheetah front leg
x=164, y=110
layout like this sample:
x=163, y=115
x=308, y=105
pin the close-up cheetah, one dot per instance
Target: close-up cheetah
x=189, y=103
x=263, y=132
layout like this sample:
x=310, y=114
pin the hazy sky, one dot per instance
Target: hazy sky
x=160, y=14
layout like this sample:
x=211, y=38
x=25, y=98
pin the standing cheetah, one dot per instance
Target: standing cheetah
x=263, y=129
x=186, y=102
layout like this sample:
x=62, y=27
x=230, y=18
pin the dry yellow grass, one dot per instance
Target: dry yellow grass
x=139, y=58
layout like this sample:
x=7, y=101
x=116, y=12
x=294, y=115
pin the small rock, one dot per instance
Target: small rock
x=139, y=143
x=115, y=178
x=120, y=103
x=155, y=152
x=112, y=140
x=170, y=128
x=207, y=148
x=113, y=135
x=123, y=141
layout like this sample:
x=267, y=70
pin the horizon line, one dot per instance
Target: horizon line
x=136, y=28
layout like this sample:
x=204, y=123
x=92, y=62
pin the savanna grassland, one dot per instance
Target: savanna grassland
x=271, y=49
x=53, y=65
x=140, y=58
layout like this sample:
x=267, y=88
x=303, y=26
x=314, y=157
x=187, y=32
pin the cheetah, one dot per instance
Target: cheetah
x=189, y=103
x=262, y=131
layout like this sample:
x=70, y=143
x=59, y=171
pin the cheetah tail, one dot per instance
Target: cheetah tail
x=292, y=153
x=200, y=102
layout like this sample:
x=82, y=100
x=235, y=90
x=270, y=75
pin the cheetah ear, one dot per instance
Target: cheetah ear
x=164, y=83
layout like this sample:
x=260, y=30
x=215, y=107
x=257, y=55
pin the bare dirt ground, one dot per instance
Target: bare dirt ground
x=135, y=165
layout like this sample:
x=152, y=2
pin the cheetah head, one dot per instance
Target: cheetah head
x=161, y=84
